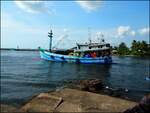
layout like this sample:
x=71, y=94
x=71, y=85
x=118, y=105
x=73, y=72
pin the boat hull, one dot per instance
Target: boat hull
x=66, y=58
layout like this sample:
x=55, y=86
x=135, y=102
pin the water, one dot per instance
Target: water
x=24, y=74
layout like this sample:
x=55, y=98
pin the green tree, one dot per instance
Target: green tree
x=139, y=48
x=123, y=49
x=144, y=47
x=134, y=47
x=134, y=44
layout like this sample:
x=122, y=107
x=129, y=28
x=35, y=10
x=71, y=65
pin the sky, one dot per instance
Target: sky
x=26, y=23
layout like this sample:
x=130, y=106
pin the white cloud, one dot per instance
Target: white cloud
x=144, y=31
x=33, y=6
x=89, y=5
x=132, y=33
x=15, y=33
x=125, y=31
x=7, y=23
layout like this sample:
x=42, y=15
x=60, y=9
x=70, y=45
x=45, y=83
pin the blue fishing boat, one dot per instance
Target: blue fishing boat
x=86, y=53
x=66, y=58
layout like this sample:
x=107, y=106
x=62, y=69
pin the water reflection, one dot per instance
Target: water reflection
x=70, y=71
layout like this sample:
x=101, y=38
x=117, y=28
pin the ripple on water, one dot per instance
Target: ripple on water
x=24, y=74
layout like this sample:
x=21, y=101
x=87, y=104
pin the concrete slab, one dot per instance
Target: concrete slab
x=72, y=100
x=42, y=103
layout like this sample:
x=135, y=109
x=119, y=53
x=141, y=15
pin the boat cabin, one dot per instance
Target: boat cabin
x=101, y=49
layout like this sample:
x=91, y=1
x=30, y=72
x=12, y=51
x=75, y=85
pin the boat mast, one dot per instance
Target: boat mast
x=50, y=35
x=89, y=33
x=102, y=39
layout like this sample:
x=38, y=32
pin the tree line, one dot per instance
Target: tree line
x=137, y=48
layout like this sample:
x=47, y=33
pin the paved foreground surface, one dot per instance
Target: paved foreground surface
x=72, y=100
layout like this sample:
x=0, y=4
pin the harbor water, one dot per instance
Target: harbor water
x=24, y=74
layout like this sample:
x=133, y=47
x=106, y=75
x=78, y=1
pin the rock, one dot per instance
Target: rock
x=146, y=100
x=96, y=86
x=108, y=92
x=91, y=85
x=142, y=107
x=43, y=103
x=119, y=92
x=76, y=101
x=69, y=107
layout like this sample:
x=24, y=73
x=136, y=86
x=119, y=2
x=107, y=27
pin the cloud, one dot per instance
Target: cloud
x=89, y=6
x=8, y=22
x=132, y=33
x=144, y=31
x=125, y=31
x=33, y=6
x=14, y=32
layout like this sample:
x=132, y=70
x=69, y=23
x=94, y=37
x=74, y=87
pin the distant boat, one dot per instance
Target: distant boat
x=86, y=53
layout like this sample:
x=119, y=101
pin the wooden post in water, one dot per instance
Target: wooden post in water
x=50, y=35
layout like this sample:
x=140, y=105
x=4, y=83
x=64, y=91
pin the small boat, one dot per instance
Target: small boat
x=86, y=53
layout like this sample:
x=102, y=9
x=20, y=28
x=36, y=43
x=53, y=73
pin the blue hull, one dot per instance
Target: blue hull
x=66, y=58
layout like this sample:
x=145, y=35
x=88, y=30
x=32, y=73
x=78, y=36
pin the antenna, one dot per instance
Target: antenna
x=89, y=34
x=60, y=40
x=98, y=37
x=102, y=39
x=50, y=35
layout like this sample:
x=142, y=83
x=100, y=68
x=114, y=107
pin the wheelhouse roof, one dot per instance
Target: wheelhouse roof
x=91, y=44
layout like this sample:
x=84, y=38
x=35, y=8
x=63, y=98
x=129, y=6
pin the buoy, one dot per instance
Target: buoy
x=107, y=87
x=147, y=78
x=126, y=90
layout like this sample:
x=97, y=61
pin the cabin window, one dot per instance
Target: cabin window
x=89, y=47
x=107, y=45
x=79, y=47
x=100, y=46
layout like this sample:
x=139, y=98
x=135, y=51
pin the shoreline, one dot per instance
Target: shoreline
x=14, y=49
x=130, y=55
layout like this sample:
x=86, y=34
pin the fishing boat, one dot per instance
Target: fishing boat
x=85, y=53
